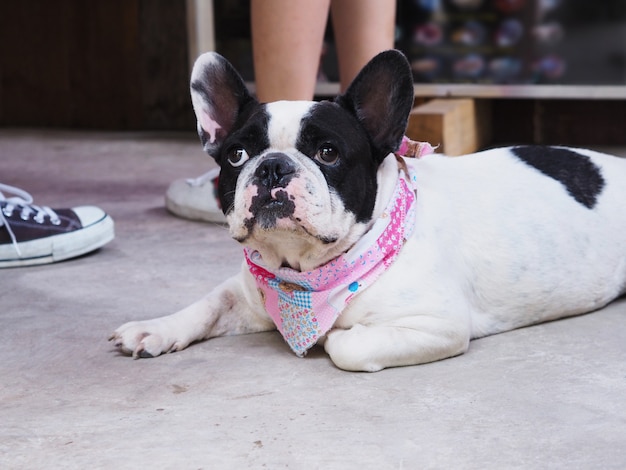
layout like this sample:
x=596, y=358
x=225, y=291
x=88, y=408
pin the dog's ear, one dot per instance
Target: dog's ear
x=218, y=94
x=381, y=98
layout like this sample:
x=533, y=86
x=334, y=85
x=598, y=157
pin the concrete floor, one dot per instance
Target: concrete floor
x=551, y=396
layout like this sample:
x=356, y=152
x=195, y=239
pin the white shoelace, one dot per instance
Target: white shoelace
x=22, y=201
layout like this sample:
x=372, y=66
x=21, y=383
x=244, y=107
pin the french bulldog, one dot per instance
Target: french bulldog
x=389, y=261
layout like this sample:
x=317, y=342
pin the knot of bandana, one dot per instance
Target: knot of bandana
x=414, y=149
x=305, y=305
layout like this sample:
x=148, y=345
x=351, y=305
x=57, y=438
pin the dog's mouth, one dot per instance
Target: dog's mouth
x=268, y=207
x=267, y=220
x=276, y=211
x=269, y=210
x=286, y=220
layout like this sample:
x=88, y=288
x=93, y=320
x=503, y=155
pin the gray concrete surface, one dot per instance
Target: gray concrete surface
x=551, y=396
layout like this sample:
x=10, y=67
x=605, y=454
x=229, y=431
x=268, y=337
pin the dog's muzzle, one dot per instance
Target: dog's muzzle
x=275, y=171
x=272, y=201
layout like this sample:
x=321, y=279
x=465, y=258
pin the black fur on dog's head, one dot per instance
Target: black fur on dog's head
x=279, y=159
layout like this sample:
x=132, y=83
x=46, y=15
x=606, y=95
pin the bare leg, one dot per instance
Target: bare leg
x=287, y=38
x=363, y=28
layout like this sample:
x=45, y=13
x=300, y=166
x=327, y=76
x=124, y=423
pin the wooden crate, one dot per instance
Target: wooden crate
x=459, y=126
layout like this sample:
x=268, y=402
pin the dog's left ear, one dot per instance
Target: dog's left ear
x=381, y=97
x=218, y=94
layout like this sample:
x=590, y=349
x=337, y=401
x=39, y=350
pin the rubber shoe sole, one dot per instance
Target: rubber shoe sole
x=193, y=201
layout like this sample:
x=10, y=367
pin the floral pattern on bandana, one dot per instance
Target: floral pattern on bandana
x=305, y=305
x=300, y=325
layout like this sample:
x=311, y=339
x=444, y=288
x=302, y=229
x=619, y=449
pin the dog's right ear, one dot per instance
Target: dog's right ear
x=218, y=94
x=381, y=98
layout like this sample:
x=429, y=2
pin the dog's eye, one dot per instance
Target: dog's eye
x=327, y=154
x=237, y=156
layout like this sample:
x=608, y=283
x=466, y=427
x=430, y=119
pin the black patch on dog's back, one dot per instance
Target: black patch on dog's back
x=576, y=172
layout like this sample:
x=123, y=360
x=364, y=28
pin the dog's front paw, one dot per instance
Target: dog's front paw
x=145, y=339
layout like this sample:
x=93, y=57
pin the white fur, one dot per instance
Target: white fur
x=497, y=246
x=284, y=125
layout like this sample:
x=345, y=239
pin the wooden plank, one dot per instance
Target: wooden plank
x=459, y=126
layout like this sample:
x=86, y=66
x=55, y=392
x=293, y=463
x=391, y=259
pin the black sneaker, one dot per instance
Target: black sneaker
x=31, y=234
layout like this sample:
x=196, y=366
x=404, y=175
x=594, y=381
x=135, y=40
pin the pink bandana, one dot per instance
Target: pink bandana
x=305, y=305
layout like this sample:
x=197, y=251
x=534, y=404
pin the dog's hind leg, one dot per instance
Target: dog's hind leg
x=401, y=342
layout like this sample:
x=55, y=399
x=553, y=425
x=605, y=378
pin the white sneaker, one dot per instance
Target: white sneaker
x=196, y=198
x=31, y=234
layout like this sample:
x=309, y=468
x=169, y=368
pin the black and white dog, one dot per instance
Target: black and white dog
x=388, y=261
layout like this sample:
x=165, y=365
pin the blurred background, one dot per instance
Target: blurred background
x=553, y=71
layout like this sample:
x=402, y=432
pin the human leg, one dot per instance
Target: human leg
x=287, y=39
x=362, y=28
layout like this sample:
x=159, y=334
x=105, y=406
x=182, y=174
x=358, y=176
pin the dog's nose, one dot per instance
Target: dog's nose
x=276, y=170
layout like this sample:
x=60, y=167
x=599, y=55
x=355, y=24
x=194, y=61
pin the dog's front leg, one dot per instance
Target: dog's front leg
x=401, y=342
x=227, y=310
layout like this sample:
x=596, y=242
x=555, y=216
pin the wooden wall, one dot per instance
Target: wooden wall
x=559, y=122
x=105, y=64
